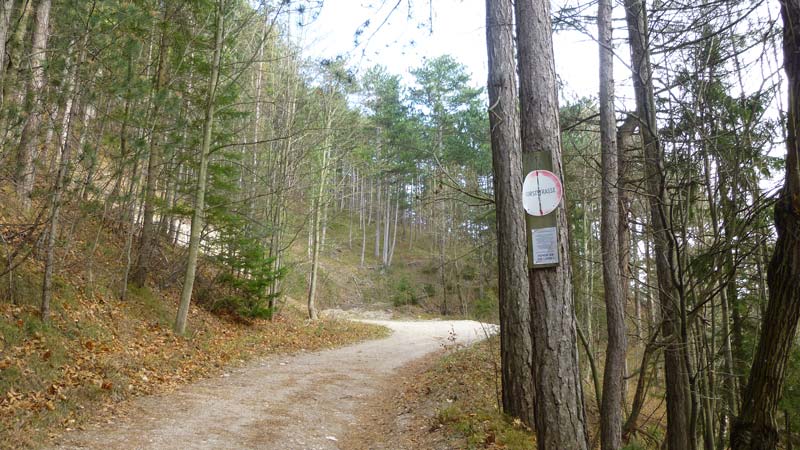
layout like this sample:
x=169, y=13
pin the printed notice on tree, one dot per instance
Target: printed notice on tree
x=544, y=246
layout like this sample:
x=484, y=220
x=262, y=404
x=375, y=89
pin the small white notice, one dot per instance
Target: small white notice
x=541, y=192
x=544, y=244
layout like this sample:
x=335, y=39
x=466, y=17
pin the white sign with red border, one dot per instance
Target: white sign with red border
x=541, y=192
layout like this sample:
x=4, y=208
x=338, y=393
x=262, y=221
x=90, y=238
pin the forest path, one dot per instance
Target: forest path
x=305, y=401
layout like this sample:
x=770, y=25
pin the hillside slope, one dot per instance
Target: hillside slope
x=97, y=350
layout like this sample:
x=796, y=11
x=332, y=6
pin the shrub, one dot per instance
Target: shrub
x=404, y=294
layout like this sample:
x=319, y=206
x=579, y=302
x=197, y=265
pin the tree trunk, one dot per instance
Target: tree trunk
x=756, y=427
x=614, y=373
x=679, y=403
x=6, y=8
x=560, y=415
x=394, y=231
x=515, y=328
x=378, y=214
x=147, y=239
x=386, y=228
x=60, y=184
x=320, y=203
x=14, y=50
x=200, y=193
x=26, y=152
x=363, y=221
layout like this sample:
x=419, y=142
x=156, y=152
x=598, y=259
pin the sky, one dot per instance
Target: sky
x=454, y=27
x=401, y=39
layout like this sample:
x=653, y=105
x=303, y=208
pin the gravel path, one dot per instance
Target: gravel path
x=305, y=402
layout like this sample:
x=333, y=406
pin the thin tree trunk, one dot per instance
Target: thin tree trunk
x=386, y=229
x=394, y=231
x=378, y=222
x=352, y=206
x=614, y=373
x=60, y=186
x=6, y=8
x=133, y=194
x=640, y=394
x=320, y=203
x=363, y=220
x=147, y=239
x=14, y=51
x=679, y=401
x=34, y=87
x=200, y=193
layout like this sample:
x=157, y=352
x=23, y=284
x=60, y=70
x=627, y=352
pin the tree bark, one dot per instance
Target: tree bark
x=147, y=239
x=26, y=152
x=320, y=204
x=560, y=416
x=679, y=401
x=200, y=193
x=516, y=346
x=614, y=373
x=386, y=227
x=756, y=427
x=394, y=231
x=362, y=216
x=58, y=191
x=6, y=7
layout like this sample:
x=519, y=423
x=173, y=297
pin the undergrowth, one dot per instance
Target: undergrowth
x=97, y=350
x=466, y=385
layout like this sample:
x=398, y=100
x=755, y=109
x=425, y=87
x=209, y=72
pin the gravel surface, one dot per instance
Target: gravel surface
x=306, y=401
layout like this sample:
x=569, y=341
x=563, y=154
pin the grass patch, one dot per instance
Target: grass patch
x=465, y=384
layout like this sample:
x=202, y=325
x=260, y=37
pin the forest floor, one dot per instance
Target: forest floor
x=441, y=402
x=305, y=401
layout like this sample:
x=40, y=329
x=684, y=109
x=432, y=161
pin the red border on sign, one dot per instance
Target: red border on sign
x=556, y=181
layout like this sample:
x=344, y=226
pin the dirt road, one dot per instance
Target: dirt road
x=306, y=401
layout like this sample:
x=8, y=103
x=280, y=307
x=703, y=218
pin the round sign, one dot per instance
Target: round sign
x=541, y=192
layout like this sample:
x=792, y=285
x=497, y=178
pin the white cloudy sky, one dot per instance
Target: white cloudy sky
x=458, y=29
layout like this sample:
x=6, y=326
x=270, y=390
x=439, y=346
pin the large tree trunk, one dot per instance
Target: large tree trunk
x=756, y=427
x=614, y=374
x=26, y=152
x=200, y=193
x=679, y=403
x=560, y=416
x=515, y=332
